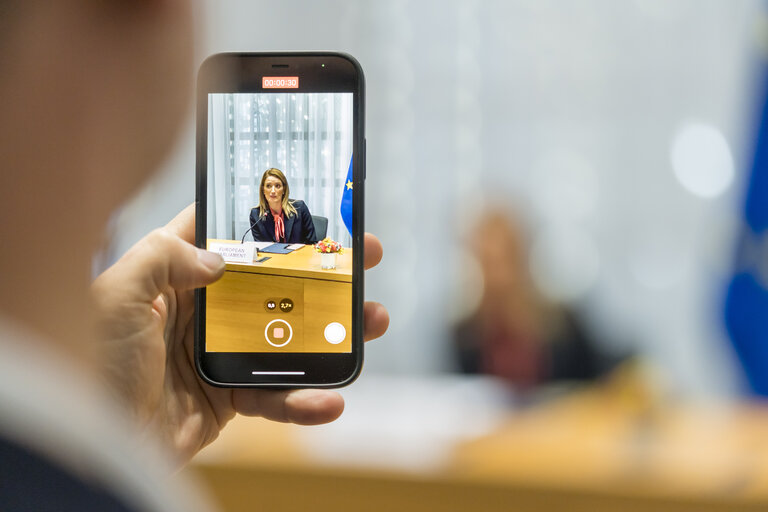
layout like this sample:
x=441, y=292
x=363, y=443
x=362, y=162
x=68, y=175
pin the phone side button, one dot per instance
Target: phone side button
x=365, y=154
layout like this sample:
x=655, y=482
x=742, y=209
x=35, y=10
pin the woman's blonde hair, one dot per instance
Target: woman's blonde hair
x=287, y=203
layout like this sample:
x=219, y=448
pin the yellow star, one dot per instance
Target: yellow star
x=349, y=185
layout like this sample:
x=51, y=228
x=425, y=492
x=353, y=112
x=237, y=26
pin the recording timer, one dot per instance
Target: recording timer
x=280, y=82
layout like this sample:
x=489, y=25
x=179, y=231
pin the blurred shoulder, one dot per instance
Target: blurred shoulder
x=62, y=440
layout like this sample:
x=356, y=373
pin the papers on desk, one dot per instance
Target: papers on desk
x=279, y=248
x=408, y=423
x=257, y=246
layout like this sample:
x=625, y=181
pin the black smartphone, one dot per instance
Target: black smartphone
x=281, y=175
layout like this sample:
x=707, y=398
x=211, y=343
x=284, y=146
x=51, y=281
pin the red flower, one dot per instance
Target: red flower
x=329, y=246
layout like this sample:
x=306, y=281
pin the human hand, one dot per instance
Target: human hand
x=145, y=305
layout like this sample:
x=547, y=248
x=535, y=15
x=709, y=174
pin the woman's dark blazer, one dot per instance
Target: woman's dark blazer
x=299, y=228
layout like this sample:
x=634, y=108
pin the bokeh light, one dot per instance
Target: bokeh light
x=702, y=160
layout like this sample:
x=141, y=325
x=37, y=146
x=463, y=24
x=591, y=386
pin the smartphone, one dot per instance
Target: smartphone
x=280, y=194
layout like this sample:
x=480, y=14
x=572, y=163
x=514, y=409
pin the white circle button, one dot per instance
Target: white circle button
x=335, y=333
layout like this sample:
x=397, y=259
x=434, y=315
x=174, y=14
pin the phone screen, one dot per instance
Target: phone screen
x=279, y=206
x=280, y=178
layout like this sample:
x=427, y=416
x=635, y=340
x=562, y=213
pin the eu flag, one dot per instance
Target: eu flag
x=746, y=304
x=346, y=200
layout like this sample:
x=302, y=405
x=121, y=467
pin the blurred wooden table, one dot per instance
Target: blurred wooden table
x=590, y=451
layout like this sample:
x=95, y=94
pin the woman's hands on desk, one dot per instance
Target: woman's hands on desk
x=146, y=305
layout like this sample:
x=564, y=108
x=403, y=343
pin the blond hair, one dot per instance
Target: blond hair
x=288, y=208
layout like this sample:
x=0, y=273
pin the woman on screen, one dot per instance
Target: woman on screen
x=279, y=218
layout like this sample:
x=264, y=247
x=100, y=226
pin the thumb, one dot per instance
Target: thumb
x=162, y=260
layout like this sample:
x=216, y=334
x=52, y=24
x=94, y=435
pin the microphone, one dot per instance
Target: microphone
x=242, y=240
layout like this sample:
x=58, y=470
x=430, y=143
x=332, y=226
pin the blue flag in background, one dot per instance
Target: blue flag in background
x=346, y=200
x=746, y=304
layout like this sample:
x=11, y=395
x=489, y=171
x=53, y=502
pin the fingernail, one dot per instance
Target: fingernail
x=210, y=259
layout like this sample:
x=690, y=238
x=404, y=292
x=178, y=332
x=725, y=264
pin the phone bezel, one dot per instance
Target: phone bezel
x=242, y=72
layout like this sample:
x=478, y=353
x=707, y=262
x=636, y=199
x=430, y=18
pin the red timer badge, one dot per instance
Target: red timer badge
x=279, y=82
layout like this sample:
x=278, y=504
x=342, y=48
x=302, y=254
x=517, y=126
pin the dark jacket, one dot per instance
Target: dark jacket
x=299, y=228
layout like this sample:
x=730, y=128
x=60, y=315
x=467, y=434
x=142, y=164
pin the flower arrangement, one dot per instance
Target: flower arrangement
x=328, y=246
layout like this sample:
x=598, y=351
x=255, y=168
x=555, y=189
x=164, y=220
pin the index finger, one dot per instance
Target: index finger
x=373, y=251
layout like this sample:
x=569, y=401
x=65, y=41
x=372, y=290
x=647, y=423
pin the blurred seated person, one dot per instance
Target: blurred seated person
x=515, y=334
x=279, y=218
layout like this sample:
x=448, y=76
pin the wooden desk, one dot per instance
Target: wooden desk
x=238, y=319
x=588, y=452
x=304, y=262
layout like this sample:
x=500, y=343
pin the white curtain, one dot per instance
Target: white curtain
x=308, y=136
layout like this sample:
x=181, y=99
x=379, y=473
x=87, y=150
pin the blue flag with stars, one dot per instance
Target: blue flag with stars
x=346, y=199
x=746, y=304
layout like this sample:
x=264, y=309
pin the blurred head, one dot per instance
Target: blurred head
x=93, y=93
x=501, y=250
x=92, y=96
x=500, y=246
x=275, y=192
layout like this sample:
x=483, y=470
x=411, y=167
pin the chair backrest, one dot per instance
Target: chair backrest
x=321, y=226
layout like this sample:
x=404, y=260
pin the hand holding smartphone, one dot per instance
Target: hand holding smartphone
x=281, y=163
